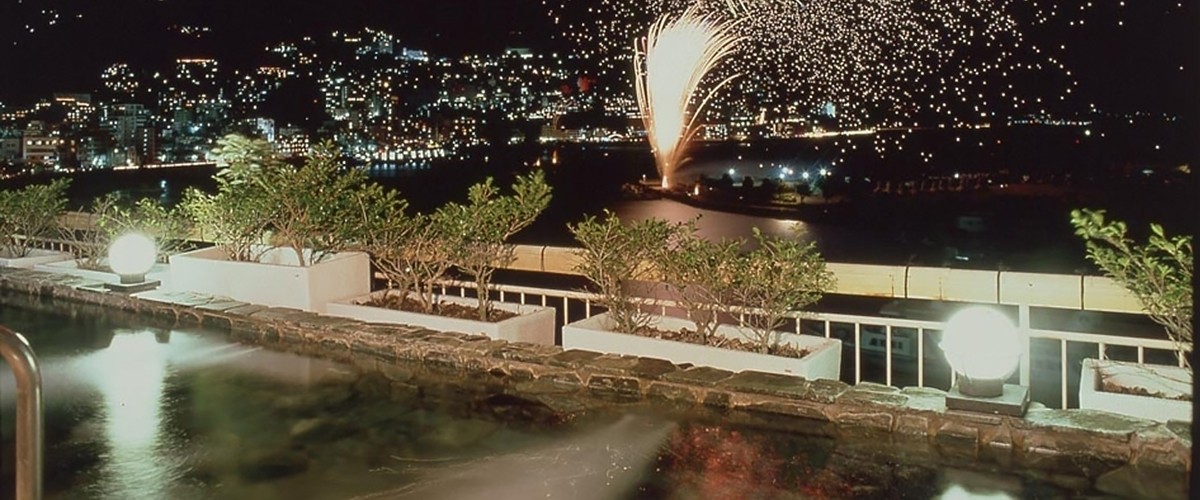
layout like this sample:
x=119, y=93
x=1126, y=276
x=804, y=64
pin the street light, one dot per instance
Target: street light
x=131, y=256
x=984, y=350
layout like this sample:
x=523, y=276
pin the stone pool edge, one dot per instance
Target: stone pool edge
x=1091, y=444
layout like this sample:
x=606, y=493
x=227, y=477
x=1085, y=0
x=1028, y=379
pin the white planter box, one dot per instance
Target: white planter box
x=824, y=359
x=1157, y=378
x=275, y=280
x=34, y=258
x=535, y=324
x=158, y=272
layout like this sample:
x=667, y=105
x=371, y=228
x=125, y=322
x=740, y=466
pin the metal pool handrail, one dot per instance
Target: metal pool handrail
x=20, y=358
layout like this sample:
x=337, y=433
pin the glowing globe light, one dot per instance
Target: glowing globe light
x=131, y=256
x=983, y=348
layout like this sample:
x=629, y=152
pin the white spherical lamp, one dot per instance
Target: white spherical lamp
x=983, y=348
x=131, y=256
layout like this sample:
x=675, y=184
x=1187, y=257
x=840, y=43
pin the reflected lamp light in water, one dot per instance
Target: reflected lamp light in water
x=131, y=256
x=984, y=349
x=132, y=386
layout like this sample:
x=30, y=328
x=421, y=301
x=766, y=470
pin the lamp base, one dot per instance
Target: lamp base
x=128, y=288
x=125, y=288
x=1013, y=401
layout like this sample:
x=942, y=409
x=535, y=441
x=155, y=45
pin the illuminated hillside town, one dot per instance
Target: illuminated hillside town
x=385, y=101
x=598, y=249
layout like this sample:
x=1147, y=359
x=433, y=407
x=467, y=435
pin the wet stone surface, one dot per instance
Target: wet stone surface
x=772, y=384
x=872, y=396
x=925, y=399
x=699, y=375
x=574, y=358
x=1094, y=422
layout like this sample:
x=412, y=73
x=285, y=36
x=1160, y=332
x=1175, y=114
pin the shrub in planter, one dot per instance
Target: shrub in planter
x=1158, y=272
x=481, y=228
x=620, y=259
x=764, y=285
x=30, y=213
x=412, y=252
x=416, y=252
x=312, y=211
x=711, y=280
x=695, y=271
x=306, y=216
x=236, y=216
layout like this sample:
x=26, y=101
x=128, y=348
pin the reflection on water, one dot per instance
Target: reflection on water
x=131, y=392
x=714, y=225
x=147, y=412
x=602, y=464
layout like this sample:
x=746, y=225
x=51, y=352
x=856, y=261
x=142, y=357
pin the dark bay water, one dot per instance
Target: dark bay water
x=1018, y=232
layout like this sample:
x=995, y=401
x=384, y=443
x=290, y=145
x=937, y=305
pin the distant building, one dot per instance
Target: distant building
x=38, y=146
x=522, y=52
x=292, y=142
x=134, y=138
x=10, y=145
x=77, y=106
x=414, y=55
x=262, y=127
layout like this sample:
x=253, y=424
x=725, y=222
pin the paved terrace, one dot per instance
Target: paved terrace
x=1074, y=448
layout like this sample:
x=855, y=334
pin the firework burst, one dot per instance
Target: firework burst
x=669, y=65
x=878, y=63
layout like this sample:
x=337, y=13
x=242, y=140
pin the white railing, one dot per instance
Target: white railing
x=902, y=343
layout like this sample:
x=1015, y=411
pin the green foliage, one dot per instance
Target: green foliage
x=415, y=252
x=1157, y=272
x=761, y=287
x=481, y=227
x=412, y=252
x=779, y=276
x=28, y=213
x=619, y=259
x=235, y=216
x=317, y=207
x=696, y=270
x=113, y=216
x=314, y=210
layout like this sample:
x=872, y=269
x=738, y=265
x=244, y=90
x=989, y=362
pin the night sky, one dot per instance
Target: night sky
x=1126, y=57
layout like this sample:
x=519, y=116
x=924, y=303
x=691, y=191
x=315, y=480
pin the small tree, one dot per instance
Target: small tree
x=235, y=216
x=30, y=213
x=482, y=227
x=696, y=270
x=766, y=284
x=620, y=259
x=313, y=210
x=412, y=252
x=1158, y=272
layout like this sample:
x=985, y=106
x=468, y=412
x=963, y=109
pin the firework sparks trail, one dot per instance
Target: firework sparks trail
x=879, y=63
x=669, y=65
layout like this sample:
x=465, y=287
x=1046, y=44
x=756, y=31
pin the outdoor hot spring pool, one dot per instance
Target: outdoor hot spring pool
x=135, y=410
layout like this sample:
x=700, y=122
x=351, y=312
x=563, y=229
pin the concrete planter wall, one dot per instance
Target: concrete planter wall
x=535, y=324
x=34, y=258
x=1091, y=397
x=160, y=272
x=275, y=280
x=824, y=359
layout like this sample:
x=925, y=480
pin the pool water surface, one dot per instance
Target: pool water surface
x=139, y=410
